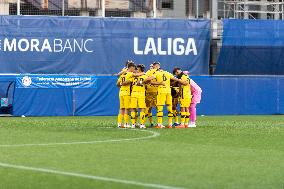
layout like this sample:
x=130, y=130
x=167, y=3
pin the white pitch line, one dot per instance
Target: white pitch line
x=107, y=179
x=154, y=135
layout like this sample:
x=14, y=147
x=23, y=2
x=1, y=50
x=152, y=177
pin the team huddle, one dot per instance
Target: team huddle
x=142, y=91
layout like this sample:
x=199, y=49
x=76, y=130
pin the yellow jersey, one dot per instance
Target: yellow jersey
x=151, y=88
x=185, y=89
x=164, y=76
x=138, y=89
x=125, y=90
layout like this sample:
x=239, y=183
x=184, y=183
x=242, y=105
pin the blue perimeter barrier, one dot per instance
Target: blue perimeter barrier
x=222, y=95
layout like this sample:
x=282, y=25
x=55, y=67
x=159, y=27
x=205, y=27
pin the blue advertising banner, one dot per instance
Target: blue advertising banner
x=81, y=45
x=252, y=47
x=222, y=95
x=55, y=81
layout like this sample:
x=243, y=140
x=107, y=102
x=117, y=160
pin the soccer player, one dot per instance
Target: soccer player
x=124, y=95
x=163, y=81
x=196, y=97
x=125, y=69
x=185, y=97
x=175, y=88
x=196, y=92
x=151, y=95
x=138, y=96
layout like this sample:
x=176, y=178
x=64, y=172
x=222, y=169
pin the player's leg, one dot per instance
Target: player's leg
x=121, y=112
x=150, y=102
x=161, y=99
x=148, y=105
x=160, y=115
x=132, y=115
x=149, y=114
x=186, y=117
x=170, y=110
x=187, y=104
x=147, y=109
x=175, y=112
x=142, y=106
x=182, y=115
x=192, y=110
x=142, y=118
x=127, y=101
x=126, y=118
x=136, y=116
x=153, y=105
x=120, y=117
x=184, y=104
x=176, y=119
x=133, y=111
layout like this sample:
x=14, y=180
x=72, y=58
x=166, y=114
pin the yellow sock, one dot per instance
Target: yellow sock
x=136, y=116
x=146, y=111
x=182, y=119
x=160, y=114
x=142, y=118
x=150, y=116
x=170, y=116
x=176, y=116
x=119, y=119
x=133, y=114
x=170, y=120
x=186, y=118
x=126, y=118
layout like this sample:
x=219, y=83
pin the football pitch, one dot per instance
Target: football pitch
x=89, y=152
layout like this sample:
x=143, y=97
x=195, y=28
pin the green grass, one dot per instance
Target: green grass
x=222, y=152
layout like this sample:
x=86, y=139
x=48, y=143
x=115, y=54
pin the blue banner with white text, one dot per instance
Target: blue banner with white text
x=86, y=45
x=222, y=95
x=55, y=81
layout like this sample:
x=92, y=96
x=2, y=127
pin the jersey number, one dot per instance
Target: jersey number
x=123, y=79
x=164, y=77
x=136, y=81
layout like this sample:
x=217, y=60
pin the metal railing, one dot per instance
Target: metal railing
x=108, y=8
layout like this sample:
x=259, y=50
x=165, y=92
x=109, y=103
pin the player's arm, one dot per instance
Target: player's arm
x=118, y=83
x=181, y=81
x=174, y=79
x=184, y=80
x=123, y=71
x=157, y=83
x=148, y=79
x=128, y=82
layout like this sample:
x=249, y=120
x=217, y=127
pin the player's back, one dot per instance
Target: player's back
x=185, y=88
x=165, y=77
x=125, y=89
x=138, y=87
x=151, y=88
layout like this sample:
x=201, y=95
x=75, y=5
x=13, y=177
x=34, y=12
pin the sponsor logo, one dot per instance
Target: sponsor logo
x=27, y=81
x=47, y=45
x=172, y=46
